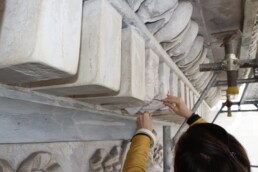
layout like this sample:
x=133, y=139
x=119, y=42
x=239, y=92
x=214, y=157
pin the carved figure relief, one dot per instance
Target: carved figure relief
x=5, y=166
x=37, y=161
x=155, y=163
x=102, y=161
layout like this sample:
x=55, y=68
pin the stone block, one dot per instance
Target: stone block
x=164, y=76
x=173, y=84
x=181, y=91
x=132, y=91
x=151, y=75
x=40, y=40
x=100, y=59
x=187, y=97
x=191, y=99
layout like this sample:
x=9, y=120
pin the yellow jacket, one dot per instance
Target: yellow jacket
x=136, y=160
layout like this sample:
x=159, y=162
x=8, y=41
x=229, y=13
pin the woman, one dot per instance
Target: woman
x=203, y=147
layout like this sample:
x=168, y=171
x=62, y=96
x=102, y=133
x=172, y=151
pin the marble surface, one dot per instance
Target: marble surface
x=71, y=156
x=173, y=84
x=186, y=42
x=132, y=90
x=100, y=58
x=151, y=75
x=164, y=76
x=151, y=9
x=194, y=52
x=176, y=24
x=181, y=91
x=135, y=4
x=33, y=117
x=39, y=40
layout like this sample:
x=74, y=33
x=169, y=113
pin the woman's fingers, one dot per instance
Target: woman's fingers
x=171, y=99
x=145, y=121
x=171, y=106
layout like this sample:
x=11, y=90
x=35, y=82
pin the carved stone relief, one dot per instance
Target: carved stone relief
x=5, y=166
x=156, y=13
x=151, y=75
x=171, y=25
x=155, y=159
x=37, y=161
x=102, y=161
x=135, y=4
x=186, y=42
x=194, y=52
x=176, y=24
x=57, y=157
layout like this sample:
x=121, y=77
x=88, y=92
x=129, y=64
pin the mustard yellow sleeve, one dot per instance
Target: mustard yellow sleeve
x=198, y=121
x=137, y=156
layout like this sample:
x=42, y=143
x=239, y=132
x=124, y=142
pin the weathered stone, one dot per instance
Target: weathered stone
x=35, y=161
x=155, y=14
x=5, y=166
x=181, y=90
x=54, y=168
x=155, y=8
x=132, y=91
x=194, y=52
x=177, y=23
x=175, y=42
x=164, y=89
x=112, y=161
x=195, y=99
x=151, y=75
x=158, y=22
x=40, y=40
x=203, y=82
x=188, y=66
x=197, y=74
x=186, y=42
x=213, y=96
x=125, y=146
x=97, y=159
x=135, y=4
x=100, y=59
x=191, y=99
x=195, y=67
x=173, y=84
x=187, y=97
x=164, y=76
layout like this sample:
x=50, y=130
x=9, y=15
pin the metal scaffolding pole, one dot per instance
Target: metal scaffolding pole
x=167, y=157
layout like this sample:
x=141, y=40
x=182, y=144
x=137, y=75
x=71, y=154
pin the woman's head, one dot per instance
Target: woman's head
x=208, y=147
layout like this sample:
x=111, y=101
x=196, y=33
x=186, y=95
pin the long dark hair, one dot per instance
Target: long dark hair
x=208, y=147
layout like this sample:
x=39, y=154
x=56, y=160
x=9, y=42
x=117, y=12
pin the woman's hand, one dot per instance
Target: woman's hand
x=177, y=105
x=145, y=121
